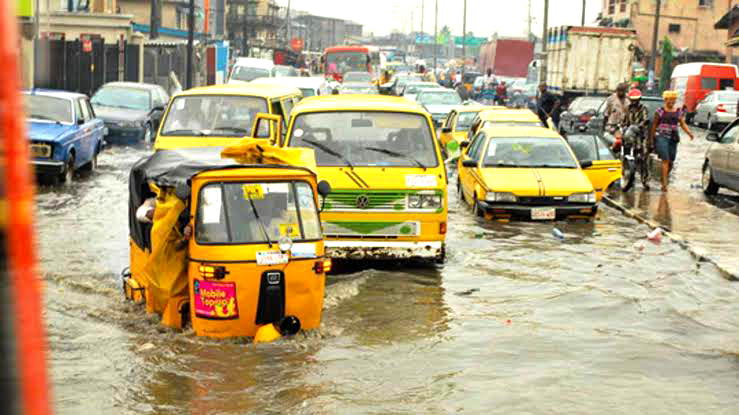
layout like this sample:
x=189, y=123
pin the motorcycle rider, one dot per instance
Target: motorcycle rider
x=636, y=115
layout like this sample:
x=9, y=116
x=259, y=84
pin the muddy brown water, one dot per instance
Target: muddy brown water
x=516, y=321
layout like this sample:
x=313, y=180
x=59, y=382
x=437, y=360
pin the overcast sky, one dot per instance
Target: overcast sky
x=484, y=17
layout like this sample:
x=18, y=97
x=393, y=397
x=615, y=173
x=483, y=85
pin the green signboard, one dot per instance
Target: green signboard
x=470, y=41
x=24, y=8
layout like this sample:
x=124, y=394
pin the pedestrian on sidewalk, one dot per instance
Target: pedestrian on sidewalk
x=665, y=133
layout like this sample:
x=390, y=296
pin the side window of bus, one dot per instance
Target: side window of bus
x=708, y=83
x=724, y=84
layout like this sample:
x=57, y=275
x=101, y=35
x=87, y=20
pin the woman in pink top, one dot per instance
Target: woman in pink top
x=665, y=133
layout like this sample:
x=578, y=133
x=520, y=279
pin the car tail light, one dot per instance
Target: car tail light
x=585, y=117
x=322, y=266
x=442, y=228
x=720, y=108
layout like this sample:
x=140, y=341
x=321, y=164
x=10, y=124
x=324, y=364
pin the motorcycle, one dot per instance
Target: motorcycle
x=632, y=150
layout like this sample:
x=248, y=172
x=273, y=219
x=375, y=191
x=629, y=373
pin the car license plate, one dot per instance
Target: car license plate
x=40, y=150
x=543, y=213
x=271, y=258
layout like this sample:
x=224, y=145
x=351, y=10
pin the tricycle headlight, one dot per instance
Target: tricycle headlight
x=500, y=197
x=414, y=201
x=582, y=198
x=430, y=201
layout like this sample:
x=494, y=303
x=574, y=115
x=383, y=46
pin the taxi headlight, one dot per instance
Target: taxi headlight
x=500, y=197
x=582, y=198
x=430, y=201
x=414, y=201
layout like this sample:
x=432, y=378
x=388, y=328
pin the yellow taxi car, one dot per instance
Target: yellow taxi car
x=383, y=162
x=529, y=173
x=457, y=124
x=219, y=114
x=507, y=117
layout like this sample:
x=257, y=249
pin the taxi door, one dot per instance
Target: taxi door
x=468, y=176
x=605, y=168
x=447, y=129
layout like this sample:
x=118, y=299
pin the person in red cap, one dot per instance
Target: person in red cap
x=638, y=115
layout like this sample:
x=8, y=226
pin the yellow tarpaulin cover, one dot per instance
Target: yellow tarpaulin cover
x=165, y=271
x=260, y=151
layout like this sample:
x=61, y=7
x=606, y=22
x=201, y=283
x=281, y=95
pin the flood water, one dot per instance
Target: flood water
x=516, y=321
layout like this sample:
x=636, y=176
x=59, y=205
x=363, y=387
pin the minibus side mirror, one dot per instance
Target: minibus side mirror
x=586, y=164
x=324, y=188
x=274, y=126
x=712, y=137
x=446, y=130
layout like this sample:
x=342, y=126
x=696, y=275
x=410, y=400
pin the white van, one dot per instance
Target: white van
x=248, y=69
x=308, y=85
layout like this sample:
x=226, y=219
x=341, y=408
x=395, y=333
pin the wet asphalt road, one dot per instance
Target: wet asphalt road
x=516, y=321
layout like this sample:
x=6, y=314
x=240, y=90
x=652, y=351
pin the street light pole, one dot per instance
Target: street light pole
x=583, y=13
x=543, y=68
x=423, y=3
x=655, y=34
x=464, y=38
x=436, y=34
x=190, y=42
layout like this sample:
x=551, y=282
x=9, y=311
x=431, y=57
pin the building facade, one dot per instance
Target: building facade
x=689, y=24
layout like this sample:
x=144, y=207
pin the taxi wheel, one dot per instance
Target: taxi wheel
x=476, y=208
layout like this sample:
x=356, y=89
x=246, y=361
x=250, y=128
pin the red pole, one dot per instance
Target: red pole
x=24, y=285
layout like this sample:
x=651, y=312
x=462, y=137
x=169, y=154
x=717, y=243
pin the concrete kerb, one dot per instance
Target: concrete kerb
x=697, y=253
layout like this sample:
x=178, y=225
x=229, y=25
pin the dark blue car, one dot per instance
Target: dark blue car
x=64, y=133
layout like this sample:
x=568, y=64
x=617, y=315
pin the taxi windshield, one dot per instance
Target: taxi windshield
x=252, y=212
x=529, y=152
x=366, y=138
x=439, y=98
x=213, y=116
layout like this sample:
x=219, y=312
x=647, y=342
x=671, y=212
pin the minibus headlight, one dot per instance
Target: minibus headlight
x=430, y=201
x=285, y=243
x=582, y=198
x=414, y=201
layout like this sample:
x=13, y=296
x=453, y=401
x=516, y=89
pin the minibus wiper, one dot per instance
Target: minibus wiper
x=396, y=154
x=329, y=151
x=259, y=220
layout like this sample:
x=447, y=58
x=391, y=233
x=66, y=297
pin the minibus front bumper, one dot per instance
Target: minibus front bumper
x=384, y=250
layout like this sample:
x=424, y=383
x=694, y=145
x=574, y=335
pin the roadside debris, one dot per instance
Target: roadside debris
x=655, y=236
x=558, y=234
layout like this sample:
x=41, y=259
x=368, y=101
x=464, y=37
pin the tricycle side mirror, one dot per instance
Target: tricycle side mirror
x=712, y=137
x=469, y=163
x=274, y=134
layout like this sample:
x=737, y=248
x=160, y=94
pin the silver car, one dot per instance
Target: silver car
x=412, y=89
x=717, y=109
x=721, y=167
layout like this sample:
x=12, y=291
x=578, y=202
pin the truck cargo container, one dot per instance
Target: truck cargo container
x=507, y=57
x=588, y=60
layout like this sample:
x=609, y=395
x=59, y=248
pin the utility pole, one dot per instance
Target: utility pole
x=190, y=42
x=423, y=2
x=289, y=24
x=464, y=38
x=582, y=22
x=244, y=26
x=655, y=34
x=529, y=21
x=436, y=34
x=544, y=42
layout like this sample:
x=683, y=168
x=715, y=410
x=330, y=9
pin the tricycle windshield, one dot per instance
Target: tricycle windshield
x=366, y=138
x=46, y=108
x=254, y=212
x=213, y=116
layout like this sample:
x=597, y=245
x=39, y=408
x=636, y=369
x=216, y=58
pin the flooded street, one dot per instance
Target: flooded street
x=516, y=321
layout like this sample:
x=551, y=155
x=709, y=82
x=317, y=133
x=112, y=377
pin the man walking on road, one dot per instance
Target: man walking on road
x=616, y=107
x=547, y=104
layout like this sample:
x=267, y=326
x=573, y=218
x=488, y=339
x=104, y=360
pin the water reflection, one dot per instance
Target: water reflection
x=663, y=214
